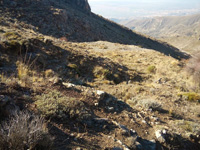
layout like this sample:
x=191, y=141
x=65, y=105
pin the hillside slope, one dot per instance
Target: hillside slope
x=180, y=31
x=61, y=19
x=57, y=94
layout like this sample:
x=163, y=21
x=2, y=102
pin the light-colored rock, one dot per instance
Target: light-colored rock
x=100, y=94
x=160, y=135
x=69, y=85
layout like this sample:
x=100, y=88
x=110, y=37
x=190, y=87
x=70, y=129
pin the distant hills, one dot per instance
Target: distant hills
x=180, y=31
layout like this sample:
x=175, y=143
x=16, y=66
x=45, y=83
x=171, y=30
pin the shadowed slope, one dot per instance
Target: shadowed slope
x=64, y=19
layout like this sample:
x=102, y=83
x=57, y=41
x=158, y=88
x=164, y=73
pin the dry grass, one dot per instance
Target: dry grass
x=24, y=131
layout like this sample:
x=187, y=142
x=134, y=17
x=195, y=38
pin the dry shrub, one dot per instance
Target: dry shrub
x=193, y=67
x=55, y=105
x=24, y=131
x=150, y=104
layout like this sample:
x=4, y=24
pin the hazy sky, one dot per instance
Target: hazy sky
x=143, y=8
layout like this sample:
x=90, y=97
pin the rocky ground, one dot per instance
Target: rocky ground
x=98, y=95
x=119, y=100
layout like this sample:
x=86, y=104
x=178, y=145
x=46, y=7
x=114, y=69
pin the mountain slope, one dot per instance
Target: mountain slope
x=60, y=19
x=180, y=31
x=168, y=26
x=90, y=95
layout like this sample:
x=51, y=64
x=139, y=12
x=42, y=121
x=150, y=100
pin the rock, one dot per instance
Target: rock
x=55, y=80
x=69, y=85
x=138, y=146
x=82, y=4
x=143, y=121
x=100, y=94
x=122, y=144
x=160, y=135
x=47, y=41
x=110, y=109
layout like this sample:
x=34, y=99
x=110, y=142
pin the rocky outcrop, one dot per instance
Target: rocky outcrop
x=83, y=4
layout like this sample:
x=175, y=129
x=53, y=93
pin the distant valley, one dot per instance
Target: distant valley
x=180, y=31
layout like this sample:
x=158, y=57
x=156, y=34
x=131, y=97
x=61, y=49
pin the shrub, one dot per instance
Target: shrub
x=55, y=105
x=24, y=131
x=151, y=69
x=150, y=104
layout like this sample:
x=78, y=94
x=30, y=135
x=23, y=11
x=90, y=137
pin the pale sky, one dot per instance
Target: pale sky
x=123, y=9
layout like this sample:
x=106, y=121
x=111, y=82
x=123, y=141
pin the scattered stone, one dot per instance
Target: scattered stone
x=110, y=109
x=100, y=94
x=143, y=121
x=160, y=135
x=69, y=85
x=55, y=80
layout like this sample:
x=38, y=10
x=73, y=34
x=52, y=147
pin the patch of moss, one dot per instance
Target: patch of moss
x=190, y=96
x=151, y=69
x=11, y=35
